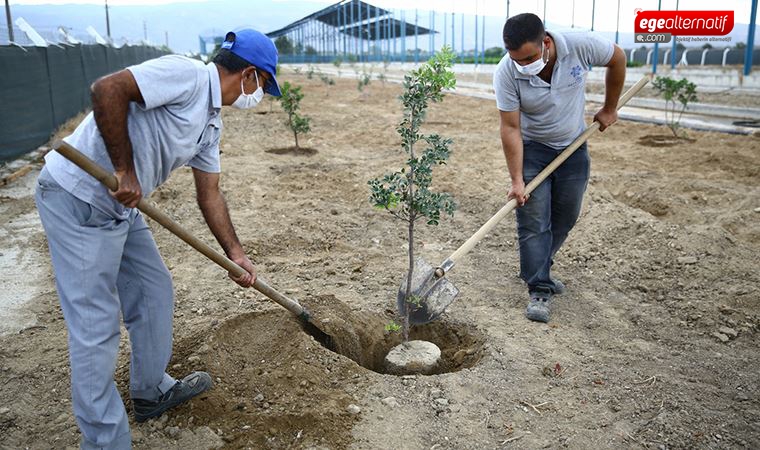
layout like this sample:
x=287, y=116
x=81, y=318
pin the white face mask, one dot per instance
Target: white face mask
x=247, y=101
x=535, y=67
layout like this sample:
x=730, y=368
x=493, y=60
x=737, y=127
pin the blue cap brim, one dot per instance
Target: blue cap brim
x=272, y=87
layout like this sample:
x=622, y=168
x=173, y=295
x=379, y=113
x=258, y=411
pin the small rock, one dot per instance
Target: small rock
x=741, y=397
x=353, y=409
x=177, y=366
x=172, y=431
x=194, y=359
x=721, y=337
x=259, y=398
x=728, y=331
x=413, y=357
x=687, y=260
x=757, y=210
x=137, y=435
x=4, y=411
x=266, y=405
x=441, y=401
x=459, y=357
x=435, y=393
x=390, y=401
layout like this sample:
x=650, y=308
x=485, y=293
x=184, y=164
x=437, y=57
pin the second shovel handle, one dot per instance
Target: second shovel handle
x=488, y=226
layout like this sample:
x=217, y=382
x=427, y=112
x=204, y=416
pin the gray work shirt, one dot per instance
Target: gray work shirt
x=552, y=114
x=179, y=124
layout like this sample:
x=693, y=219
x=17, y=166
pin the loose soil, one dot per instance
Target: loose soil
x=654, y=344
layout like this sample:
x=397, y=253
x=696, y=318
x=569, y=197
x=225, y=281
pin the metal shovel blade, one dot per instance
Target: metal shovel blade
x=435, y=294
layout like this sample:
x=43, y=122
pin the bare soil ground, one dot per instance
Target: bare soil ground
x=654, y=345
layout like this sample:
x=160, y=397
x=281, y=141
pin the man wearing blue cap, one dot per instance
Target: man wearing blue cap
x=147, y=120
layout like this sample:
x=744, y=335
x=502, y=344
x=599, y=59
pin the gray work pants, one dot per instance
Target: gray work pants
x=105, y=268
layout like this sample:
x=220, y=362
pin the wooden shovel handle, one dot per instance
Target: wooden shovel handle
x=488, y=226
x=150, y=210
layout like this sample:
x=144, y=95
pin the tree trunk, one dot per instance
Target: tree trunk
x=412, y=217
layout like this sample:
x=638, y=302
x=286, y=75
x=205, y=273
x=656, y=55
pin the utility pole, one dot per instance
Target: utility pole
x=108, y=23
x=10, y=22
x=656, y=44
x=673, y=48
x=593, y=12
x=544, y=13
x=572, y=20
x=750, y=39
x=617, y=27
x=475, y=54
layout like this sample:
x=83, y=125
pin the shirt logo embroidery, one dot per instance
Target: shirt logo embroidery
x=577, y=73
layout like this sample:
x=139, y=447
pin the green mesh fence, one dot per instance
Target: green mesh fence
x=43, y=87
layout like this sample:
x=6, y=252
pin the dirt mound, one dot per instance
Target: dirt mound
x=277, y=386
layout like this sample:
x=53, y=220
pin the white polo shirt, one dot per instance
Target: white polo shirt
x=552, y=114
x=179, y=124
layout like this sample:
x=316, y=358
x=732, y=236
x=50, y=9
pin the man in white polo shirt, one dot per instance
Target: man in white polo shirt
x=540, y=93
x=147, y=120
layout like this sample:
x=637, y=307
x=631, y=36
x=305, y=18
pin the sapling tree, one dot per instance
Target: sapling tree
x=364, y=80
x=291, y=102
x=326, y=79
x=407, y=194
x=675, y=93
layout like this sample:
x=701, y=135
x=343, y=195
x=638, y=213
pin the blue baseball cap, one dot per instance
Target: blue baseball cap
x=257, y=49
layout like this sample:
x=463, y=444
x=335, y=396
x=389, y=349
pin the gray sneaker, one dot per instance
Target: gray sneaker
x=182, y=391
x=559, y=287
x=539, y=307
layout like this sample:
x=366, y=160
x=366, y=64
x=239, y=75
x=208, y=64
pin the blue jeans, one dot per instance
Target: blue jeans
x=106, y=268
x=551, y=211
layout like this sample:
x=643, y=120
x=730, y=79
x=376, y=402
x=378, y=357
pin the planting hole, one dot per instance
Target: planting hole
x=361, y=336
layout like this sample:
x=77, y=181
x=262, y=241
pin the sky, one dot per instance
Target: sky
x=179, y=23
x=557, y=11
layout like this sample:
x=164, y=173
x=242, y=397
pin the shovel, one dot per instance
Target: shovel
x=150, y=209
x=433, y=292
